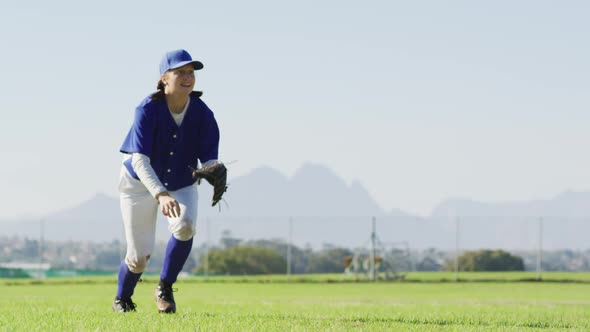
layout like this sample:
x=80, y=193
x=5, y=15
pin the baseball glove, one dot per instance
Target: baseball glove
x=216, y=175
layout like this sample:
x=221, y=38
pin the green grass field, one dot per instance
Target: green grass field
x=272, y=304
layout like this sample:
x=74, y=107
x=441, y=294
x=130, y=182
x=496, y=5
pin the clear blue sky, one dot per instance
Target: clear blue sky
x=418, y=100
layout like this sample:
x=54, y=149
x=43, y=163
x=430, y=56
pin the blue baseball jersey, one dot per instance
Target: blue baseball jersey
x=172, y=149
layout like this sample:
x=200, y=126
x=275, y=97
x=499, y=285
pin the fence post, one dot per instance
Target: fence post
x=457, y=230
x=289, y=248
x=372, y=254
x=41, y=244
x=206, y=263
x=540, y=249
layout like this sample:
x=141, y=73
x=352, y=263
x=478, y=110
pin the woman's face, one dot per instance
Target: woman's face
x=180, y=80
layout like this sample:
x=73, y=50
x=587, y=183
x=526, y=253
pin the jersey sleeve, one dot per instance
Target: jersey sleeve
x=208, y=138
x=140, y=138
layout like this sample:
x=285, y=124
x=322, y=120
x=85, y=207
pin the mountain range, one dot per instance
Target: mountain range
x=324, y=209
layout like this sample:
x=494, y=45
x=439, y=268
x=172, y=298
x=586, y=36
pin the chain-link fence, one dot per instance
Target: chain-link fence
x=410, y=243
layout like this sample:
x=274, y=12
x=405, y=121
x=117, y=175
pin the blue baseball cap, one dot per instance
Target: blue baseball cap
x=176, y=59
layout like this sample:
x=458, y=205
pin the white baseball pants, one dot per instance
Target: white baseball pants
x=140, y=209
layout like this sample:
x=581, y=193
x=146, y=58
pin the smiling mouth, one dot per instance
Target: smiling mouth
x=185, y=85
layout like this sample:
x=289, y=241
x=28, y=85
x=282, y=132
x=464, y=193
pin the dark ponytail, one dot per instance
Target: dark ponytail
x=161, y=86
x=159, y=95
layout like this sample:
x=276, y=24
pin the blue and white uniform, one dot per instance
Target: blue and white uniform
x=172, y=148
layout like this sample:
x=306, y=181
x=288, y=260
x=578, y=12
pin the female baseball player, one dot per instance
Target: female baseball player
x=173, y=129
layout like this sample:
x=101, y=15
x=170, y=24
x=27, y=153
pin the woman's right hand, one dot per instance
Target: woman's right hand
x=168, y=205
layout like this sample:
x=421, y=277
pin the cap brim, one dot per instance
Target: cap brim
x=197, y=64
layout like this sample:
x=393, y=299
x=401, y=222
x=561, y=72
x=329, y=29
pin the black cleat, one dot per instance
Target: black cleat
x=165, y=299
x=123, y=306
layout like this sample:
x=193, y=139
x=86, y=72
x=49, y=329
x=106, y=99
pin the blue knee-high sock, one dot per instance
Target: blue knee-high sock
x=126, y=282
x=176, y=255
